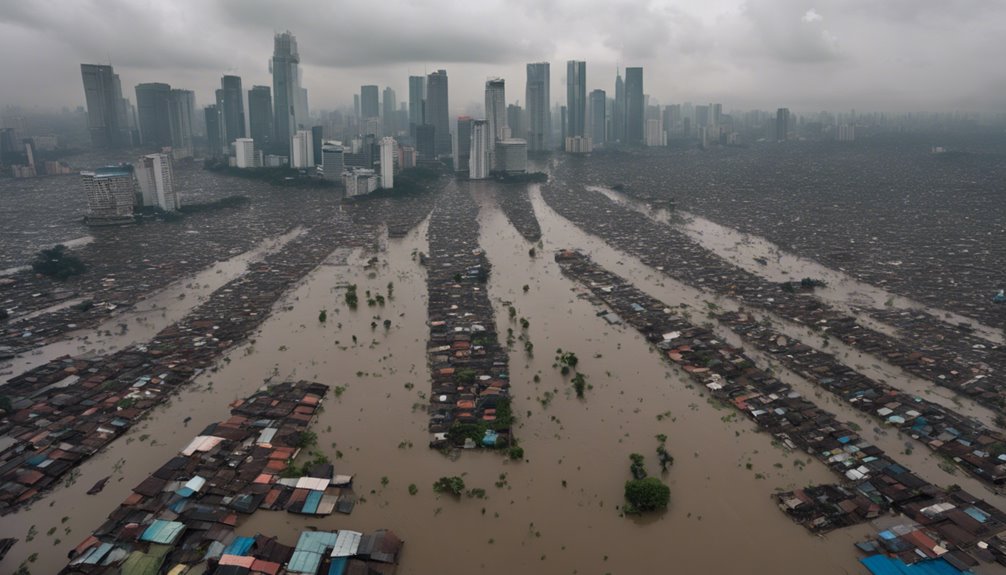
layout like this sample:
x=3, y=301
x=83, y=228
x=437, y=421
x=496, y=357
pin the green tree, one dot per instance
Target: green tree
x=453, y=485
x=58, y=263
x=647, y=494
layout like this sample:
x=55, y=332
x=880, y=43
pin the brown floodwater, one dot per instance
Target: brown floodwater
x=142, y=321
x=843, y=290
x=556, y=512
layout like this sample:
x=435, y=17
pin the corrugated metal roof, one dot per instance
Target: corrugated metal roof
x=164, y=532
x=311, y=548
x=346, y=543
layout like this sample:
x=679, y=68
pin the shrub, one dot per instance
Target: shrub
x=453, y=485
x=648, y=494
x=58, y=263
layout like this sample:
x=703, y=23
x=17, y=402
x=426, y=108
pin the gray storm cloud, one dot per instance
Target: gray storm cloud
x=836, y=54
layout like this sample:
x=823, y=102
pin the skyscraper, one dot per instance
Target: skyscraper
x=515, y=120
x=496, y=108
x=576, y=98
x=155, y=175
x=111, y=193
x=214, y=137
x=618, y=121
x=153, y=107
x=463, y=138
x=438, y=110
x=388, y=153
x=782, y=124
x=389, y=107
x=537, y=100
x=478, y=157
x=303, y=150
x=230, y=101
x=260, y=122
x=598, y=100
x=369, y=107
x=417, y=96
x=181, y=110
x=635, y=106
x=285, y=89
x=106, y=113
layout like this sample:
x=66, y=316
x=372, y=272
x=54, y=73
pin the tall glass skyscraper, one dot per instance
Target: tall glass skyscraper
x=635, y=106
x=285, y=89
x=539, y=114
x=576, y=98
x=106, y=109
x=438, y=111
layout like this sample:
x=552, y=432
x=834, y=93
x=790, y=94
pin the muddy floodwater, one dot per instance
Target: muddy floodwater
x=555, y=512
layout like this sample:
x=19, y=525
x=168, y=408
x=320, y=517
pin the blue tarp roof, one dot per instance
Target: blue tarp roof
x=240, y=546
x=312, y=501
x=884, y=565
x=164, y=532
x=338, y=566
x=311, y=548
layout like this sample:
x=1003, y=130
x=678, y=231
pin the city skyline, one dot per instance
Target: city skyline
x=808, y=57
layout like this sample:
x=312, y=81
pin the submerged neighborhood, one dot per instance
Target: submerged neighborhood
x=543, y=317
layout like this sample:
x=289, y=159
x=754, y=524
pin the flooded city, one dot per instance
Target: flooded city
x=749, y=318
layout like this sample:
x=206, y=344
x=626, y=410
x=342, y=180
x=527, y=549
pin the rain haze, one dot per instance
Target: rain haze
x=908, y=55
x=417, y=287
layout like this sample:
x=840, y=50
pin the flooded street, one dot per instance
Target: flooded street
x=558, y=511
x=150, y=315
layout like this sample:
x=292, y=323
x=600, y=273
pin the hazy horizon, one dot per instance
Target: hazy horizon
x=903, y=55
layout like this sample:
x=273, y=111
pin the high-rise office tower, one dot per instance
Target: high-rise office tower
x=369, y=104
x=782, y=124
x=153, y=108
x=388, y=153
x=618, y=119
x=438, y=110
x=478, y=157
x=496, y=109
x=285, y=89
x=106, y=113
x=417, y=97
x=635, y=106
x=515, y=120
x=303, y=150
x=245, y=153
x=111, y=193
x=260, y=122
x=389, y=107
x=576, y=98
x=155, y=175
x=317, y=139
x=463, y=141
x=300, y=110
x=181, y=110
x=537, y=99
x=230, y=101
x=332, y=160
x=214, y=136
x=598, y=101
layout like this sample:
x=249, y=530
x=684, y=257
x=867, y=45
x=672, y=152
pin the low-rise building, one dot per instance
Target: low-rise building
x=359, y=181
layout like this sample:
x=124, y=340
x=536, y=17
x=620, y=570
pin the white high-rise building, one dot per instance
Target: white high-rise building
x=111, y=194
x=478, y=160
x=303, y=150
x=388, y=154
x=156, y=177
x=846, y=133
x=654, y=133
x=244, y=153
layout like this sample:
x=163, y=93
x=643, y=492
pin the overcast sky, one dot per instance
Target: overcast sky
x=806, y=54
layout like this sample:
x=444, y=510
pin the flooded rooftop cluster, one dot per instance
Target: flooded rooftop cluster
x=887, y=210
x=182, y=517
x=961, y=440
x=127, y=263
x=876, y=482
x=66, y=410
x=675, y=254
x=470, y=400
